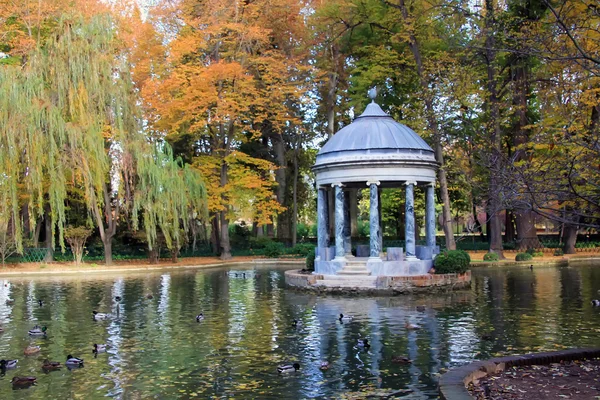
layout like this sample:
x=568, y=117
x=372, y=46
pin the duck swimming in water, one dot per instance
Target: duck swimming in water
x=37, y=331
x=200, y=317
x=51, y=365
x=8, y=364
x=30, y=350
x=324, y=365
x=283, y=369
x=23, y=381
x=596, y=303
x=74, y=361
x=118, y=298
x=296, y=323
x=401, y=360
x=412, y=327
x=345, y=318
x=364, y=343
x=99, y=316
x=99, y=348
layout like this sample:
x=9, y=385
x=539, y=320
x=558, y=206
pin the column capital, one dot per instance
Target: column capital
x=410, y=183
x=369, y=183
x=340, y=184
x=431, y=184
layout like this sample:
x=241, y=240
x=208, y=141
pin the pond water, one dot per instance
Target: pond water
x=158, y=350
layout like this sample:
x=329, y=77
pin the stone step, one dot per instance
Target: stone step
x=361, y=267
x=354, y=273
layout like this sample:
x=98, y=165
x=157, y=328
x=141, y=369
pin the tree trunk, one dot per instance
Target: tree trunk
x=570, y=237
x=432, y=125
x=494, y=199
x=215, y=234
x=153, y=255
x=174, y=254
x=283, y=218
x=38, y=230
x=49, y=236
x=225, y=245
x=524, y=218
x=295, y=194
x=526, y=233
x=509, y=227
x=108, y=260
x=332, y=90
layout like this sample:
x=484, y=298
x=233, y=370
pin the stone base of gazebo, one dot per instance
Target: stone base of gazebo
x=364, y=267
x=384, y=285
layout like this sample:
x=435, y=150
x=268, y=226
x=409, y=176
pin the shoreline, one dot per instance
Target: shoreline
x=62, y=268
x=65, y=268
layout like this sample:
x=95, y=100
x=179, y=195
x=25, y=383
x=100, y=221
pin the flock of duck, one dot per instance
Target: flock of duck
x=76, y=362
x=47, y=365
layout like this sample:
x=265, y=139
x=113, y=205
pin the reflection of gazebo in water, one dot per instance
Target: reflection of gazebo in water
x=378, y=152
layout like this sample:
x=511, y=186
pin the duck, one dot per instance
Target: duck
x=99, y=348
x=8, y=364
x=200, y=317
x=345, y=318
x=596, y=303
x=30, y=350
x=296, y=323
x=37, y=331
x=283, y=369
x=401, y=360
x=324, y=365
x=74, y=361
x=364, y=343
x=99, y=316
x=421, y=308
x=51, y=365
x=118, y=298
x=10, y=302
x=412, y=327
x=23, y=381
x=531, y=267
x=149, y=296
x=41, y=303
x=486, y=336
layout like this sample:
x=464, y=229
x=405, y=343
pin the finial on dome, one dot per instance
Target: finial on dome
x=372, y=93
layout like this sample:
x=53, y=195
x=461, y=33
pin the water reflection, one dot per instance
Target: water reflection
x=158, y=350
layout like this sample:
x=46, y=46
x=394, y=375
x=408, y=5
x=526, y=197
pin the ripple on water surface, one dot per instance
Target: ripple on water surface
x=156, y=349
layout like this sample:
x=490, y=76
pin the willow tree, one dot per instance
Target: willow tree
x=70, y=117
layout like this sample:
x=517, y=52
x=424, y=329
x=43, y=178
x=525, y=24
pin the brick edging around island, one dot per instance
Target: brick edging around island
x=453, y=384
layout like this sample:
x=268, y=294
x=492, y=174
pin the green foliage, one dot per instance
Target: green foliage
x=303, y=249
x=452, y=261
x=310, y=261
x=559, y=252
x=274, y=249
x=257, y=243
x=490, y=257
x=303, y=230
x=523, y=257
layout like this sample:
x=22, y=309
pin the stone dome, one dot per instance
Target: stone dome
x=375, y=147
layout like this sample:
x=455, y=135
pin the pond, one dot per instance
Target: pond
x=156, y=349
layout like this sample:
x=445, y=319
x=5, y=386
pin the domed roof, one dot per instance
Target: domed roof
x=374, y=129
x=375, y=147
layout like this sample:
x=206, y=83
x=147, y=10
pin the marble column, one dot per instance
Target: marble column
x=322, y=221
x=410, y=221
x=380, y=222
x=374, y=221
x=430, y=216
x=347, y=235
x=353, y=212
x=339, y=223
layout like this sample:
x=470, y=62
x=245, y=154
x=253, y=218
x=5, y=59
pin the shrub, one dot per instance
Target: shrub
x=260, y=242
x=303, y=249
x=76, y=237
x=523, y=257
x=310, y=261
x=491, y=257
x=452, y=261
x=273, y=249
x=530, y=250
x=559, y=252
x=538, y=254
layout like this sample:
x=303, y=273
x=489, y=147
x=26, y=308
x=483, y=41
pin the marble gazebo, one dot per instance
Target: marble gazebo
x=377, y=152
